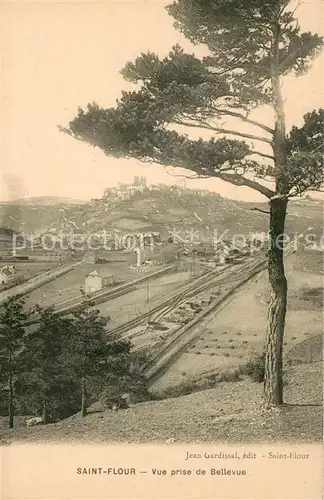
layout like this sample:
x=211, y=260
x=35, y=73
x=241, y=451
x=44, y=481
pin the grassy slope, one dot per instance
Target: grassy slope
x=230, y=413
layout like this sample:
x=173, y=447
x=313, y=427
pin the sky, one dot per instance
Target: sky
x=57, y=56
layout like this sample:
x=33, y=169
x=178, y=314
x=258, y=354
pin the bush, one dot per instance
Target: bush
x=229, y=376
x=190, y=386
x=133, y=382
x=184, y=388
x=255, y=368
x=134, y=385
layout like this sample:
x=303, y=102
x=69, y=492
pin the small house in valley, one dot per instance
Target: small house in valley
x=89, y=258
x=95, y=281
x=6, y=274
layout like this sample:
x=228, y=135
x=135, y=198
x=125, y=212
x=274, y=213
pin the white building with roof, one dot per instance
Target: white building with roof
x=96, y=281
x=6, y=274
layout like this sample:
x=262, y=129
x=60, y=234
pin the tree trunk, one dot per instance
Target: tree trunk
x=11, y=398
x=45, y=412
x=83, y=398
x=273, y=387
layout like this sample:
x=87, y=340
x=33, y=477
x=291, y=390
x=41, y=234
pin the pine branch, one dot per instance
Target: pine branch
x=190, y=177
x=260, y=210
x=221, y=130
x=238, y=180
x=78, y=138
x=232, y=178
x=264, y=155
x=244, y=119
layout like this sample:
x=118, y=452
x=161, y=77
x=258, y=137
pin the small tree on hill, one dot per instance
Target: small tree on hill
x=252, y=45
x=88, y=354
x=44, y=370
x=12, y=346
x=125, y=375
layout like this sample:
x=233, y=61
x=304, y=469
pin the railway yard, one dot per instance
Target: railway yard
x=168, y=328
x=164, y=310
x=174, y=315
x=160, y=309
x=199, y=327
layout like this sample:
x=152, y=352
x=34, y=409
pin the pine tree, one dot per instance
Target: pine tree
x=88, y=354
x=252, y=45
x=12, y=346
x=44, y=371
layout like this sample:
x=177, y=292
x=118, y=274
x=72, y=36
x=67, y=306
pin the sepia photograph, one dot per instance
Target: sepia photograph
x=161, y=227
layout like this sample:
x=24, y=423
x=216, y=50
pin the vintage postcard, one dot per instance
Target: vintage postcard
x=161, y=249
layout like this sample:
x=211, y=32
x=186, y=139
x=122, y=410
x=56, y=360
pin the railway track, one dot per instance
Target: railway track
x=169, y=303
x=230, y=274
x=236, y=274
x=171, y=349
x=127, y=287
x=37, y=282
x=185, y=334
x=104, y=296
x=174, y=346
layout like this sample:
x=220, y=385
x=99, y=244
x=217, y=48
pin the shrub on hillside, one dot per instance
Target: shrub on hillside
x=133, y=383
x=183, y=389
x=229, y=375
x=118, y=391
x=255, y=368
x=190, y=386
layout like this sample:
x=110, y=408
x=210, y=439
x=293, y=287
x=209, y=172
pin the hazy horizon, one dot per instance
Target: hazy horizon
x=58, y=56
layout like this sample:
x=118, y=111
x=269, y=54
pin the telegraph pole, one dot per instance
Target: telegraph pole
x=148, y=294
x=192, y=264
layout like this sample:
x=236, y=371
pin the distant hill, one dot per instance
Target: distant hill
x=45, y=200
x=163, y=211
